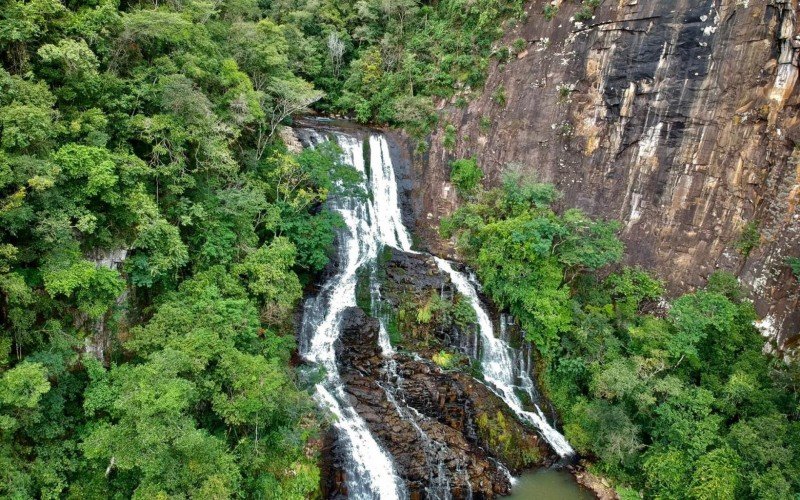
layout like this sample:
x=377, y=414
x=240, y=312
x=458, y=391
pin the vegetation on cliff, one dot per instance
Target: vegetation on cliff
x=384, y=60
x=669, y=400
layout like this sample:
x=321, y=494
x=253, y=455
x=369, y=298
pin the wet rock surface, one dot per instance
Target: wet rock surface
x=408, y=282
x=427, y=419
x=444, y=429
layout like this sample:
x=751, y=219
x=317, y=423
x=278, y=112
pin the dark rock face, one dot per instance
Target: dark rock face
x=425, y=418
x=411, y=279
x=677, y=117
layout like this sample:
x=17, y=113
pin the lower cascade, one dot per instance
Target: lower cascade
x=499, y=370
x=376, y=460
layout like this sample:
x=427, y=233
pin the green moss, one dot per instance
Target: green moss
x=475, y=369
x=393, y=329
x=363, y=295
x=384, y=257
x=503, y=439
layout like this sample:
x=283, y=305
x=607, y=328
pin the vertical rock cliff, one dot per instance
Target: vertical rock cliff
x=677, y=117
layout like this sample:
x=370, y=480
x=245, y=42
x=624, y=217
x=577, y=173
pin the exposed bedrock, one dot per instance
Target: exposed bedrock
x=677, y=117
x=432, y=422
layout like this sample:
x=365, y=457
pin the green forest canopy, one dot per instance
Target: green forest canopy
x=154, y=240
x=155, y=236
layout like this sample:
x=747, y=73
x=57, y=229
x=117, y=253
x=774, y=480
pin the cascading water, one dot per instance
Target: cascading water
x=368, y=225
x=371, y=223
x=438, y=482
x=521, y=359
x=497, y=363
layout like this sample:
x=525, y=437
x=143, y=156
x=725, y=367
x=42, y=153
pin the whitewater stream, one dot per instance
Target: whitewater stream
x=500, y=366
x=372, y=222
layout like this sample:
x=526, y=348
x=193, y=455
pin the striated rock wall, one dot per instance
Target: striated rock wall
x=677, y=117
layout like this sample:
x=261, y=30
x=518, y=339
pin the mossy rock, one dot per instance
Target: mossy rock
x=505, y=439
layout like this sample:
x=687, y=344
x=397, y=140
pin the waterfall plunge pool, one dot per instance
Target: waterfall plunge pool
x=548, y=484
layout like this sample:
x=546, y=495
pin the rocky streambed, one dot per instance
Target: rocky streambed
x=445, y=429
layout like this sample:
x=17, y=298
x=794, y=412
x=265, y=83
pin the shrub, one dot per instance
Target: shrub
x=503, y=54
x=584, y=14
x=499, y=96
x=519, y=45
x=449, y=140
x=463, y=313
x=565, y=129
x=446, y=360
x=749, y=239
x=465, y=175
x=564, y=92
x=587, y=11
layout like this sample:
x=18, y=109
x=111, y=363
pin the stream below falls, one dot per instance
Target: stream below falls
x=367, y=468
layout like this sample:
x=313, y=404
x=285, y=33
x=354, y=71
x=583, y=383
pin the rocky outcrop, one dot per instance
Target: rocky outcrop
x=98, y=342
x=599, y=486
x=677, y=117
x=409, y=283
x=440, y=427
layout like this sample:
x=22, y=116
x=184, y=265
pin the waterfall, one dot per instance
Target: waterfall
x=386, y=207
x=384, y=211
x=521, y=359
x=369, y=224
x=497, y=363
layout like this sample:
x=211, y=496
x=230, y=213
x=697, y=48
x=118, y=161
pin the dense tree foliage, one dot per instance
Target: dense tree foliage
x=383, y=60
x=465, y=175
x=672, y=401
x=154, y=240
x=526, y=254
x=156, y=234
